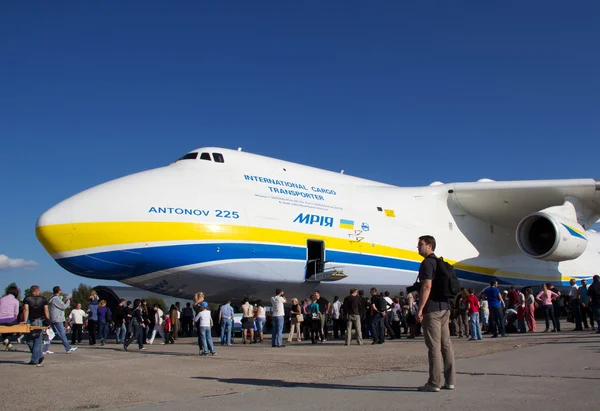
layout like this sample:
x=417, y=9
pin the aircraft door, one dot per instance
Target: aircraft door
x=315, y=257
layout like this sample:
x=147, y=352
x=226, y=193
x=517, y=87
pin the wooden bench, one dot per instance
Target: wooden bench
x=22, y=328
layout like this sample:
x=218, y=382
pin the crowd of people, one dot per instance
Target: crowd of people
x=378, y=316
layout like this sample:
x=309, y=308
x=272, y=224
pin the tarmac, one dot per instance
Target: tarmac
x=542, y=370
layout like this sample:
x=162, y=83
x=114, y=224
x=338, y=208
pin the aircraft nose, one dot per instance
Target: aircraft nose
x=54, y=228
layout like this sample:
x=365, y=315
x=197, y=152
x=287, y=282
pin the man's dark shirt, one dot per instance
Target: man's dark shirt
x=364, y=306
x=188, y=312
x=119, y=315
x=427, y=272
x=594, y=294
x=352, y=305
x=128, y=313
x=323, y=303
x=36, y=307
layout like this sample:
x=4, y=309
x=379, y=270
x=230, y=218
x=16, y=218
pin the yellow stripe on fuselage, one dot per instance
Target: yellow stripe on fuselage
x=62, y=238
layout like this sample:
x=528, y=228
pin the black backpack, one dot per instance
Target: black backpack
x=445, y=284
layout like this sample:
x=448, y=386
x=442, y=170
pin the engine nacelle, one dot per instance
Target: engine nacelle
x=550, y=237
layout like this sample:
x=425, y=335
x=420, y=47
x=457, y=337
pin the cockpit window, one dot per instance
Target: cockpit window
x=218, y=158
x=189, y=156
x=205, y=156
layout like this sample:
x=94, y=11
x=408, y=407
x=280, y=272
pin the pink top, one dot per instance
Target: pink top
x=9, y=309
x=546, y=297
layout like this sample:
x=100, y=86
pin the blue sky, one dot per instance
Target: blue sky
x=401, y=92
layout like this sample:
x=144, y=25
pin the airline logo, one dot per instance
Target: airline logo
x=312, y=219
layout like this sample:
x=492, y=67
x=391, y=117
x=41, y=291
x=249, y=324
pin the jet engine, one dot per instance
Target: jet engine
x=550, y=237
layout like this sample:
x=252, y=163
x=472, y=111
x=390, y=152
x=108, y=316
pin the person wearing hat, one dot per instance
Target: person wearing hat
x=205, y=322
x=57, y=317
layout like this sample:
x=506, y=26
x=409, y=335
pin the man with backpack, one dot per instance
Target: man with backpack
x=438, y=285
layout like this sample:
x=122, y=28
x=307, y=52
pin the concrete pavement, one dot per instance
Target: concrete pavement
x=558, y=375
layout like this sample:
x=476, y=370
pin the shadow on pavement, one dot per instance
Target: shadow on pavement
x=288, y=384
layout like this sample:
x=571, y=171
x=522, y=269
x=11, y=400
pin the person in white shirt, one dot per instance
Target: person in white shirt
x=158, y=324
x=205, y=322
x=76, y=319
x=277, y=318
x=338, y=322
x=387, y=320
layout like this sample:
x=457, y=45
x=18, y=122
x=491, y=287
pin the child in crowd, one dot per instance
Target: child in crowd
x=205, y=322
x=168, y=327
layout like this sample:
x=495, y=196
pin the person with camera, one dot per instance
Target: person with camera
x=434, y=314
x=278, y=312
x=57, y=309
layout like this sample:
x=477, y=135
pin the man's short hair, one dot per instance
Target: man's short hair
x=353, y=290
x=34, y=288
x=492, y=282
x=128, y=302
x=374, y=290
x=596, y=277
x=429, y=240
x=471, y=291
x=122, y=300
x=387, y=293
x=55, y=289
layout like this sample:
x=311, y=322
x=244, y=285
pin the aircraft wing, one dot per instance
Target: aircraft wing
x=506, y=203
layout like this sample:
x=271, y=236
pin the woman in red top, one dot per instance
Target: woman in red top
x=473, y=310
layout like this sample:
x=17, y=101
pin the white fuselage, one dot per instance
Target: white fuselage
x=240, y=228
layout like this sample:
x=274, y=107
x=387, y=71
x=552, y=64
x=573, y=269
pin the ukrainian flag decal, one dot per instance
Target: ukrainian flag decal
x=347, y=224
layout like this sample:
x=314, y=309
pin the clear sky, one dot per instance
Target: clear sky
x=401, y=92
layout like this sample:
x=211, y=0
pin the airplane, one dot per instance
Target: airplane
x=233, y=224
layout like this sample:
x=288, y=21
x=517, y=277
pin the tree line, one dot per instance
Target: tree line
x=81, y=295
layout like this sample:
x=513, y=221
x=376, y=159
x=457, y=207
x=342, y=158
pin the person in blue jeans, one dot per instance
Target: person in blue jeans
x=226, y=321
x=35, y=311
x=104, y=320
x=277, y=317
x=473, y=309
x=495, y=303
x=205, y=322
x=57, y=317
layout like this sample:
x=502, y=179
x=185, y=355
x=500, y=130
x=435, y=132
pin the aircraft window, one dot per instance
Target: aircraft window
x=205, y=156
x=218, y=157
x=189, y=156
x=379, y=209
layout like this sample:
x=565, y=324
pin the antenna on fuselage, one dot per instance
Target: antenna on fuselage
x=342, y=172
x=239, y=149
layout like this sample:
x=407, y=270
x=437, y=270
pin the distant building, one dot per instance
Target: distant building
x=113, y=294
